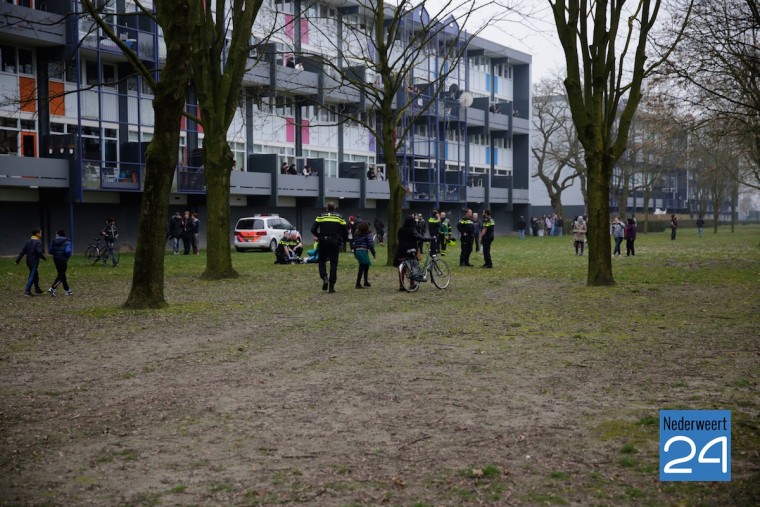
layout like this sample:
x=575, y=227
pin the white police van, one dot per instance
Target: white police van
x=261, y=232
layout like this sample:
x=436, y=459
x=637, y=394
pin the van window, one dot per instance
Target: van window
x=249, y=224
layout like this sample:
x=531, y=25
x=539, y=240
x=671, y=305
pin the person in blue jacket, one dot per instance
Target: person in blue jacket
x=34, y=252
x=60, y=249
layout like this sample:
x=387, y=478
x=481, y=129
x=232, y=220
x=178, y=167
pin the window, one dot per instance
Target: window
x=8, y=59
x=109, y=75
x=8, y=136
x=238, y=152
x=25, y=62
x=91, y=71
x=94, y=78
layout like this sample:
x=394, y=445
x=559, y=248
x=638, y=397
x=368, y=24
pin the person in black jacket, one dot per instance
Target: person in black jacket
x=434, y=228
x=60, y=250
x=174, y=231
x=486, y=238
x=466, y=234
x=409, y=238
x=34, y=252
x=188, y=231
x=329, y=229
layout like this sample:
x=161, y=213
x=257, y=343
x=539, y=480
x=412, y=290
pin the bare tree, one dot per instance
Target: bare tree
x=378, y=61
x=716, y=65
x=556, y=145
x=656, y=146
x=172, y=16
x=605, y=44
x=714, y=156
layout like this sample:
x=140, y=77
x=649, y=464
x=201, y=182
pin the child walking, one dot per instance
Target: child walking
x=34, y=252
x=363, y=246
x=60, y=249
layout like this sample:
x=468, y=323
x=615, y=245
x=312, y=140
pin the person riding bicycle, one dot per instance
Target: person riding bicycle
x=110, y=234
x=408, y=237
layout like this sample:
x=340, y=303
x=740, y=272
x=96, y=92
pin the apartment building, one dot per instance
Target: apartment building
x=75, y=122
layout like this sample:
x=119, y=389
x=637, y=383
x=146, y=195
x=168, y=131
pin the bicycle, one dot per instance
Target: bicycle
x=95, y=253
x=412, y=274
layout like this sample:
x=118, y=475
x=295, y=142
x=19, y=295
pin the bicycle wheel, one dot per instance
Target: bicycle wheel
x=406, y=281
x=91, y=255
x=440, y=274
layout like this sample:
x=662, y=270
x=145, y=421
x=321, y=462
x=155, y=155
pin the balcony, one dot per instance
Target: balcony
x=33, y=172
x=29, y=27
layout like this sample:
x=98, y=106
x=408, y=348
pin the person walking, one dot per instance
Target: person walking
x=465, y=228
x=673, y=227
x=110, y=233
x=363, y=246
x=434, y=228
x=60, y=250
x=188, y=232
x=618, y=233
x=34, y=252
x=329, y=229
x=521, y=227
x=700, y=225
x=380, y=231
x=630, y=237
x=486, y=238
x=196, y=232
x=174, y=231
x=579, y=234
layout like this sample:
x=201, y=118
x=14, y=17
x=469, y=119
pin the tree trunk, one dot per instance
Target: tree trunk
x=147, y=289
x=395, y=203
x=599, y=256
x=218, y=164
x=645, y=207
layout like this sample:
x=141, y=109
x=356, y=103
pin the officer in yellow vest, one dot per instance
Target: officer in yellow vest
x=329, y=229
x=486, y=238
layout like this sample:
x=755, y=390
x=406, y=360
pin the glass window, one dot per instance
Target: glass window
x=109, y=75
x=91, y=70
x=8, y=59
x=25, y=62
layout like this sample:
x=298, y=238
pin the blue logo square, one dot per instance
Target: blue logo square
x=695, y=445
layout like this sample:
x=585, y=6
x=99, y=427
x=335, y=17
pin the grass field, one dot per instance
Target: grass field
x=514, y=386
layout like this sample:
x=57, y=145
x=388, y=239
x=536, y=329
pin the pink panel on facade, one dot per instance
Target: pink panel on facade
x=305, y=131
x=305, y=31
x=290, y=130
x=289, y=26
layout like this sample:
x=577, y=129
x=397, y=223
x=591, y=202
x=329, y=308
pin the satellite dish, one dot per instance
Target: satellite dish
x=465, y=100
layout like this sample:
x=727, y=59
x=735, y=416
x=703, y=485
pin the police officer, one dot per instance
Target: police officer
x=330, y=230
x=444, y=232
x=466, y=231
x=434, y=227
x=486, y=238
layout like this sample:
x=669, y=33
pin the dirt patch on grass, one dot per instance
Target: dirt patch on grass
x=499, y=391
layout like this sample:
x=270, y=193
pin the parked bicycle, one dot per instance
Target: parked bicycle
x=412, y=274
x=95, y=253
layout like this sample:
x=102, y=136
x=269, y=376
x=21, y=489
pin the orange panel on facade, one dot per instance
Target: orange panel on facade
x=57, y=101
x=27, y=94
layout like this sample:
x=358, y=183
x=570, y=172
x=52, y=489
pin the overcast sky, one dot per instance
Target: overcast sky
x=531, y=31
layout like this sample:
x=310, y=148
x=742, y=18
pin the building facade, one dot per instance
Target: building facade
x=75, y=121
